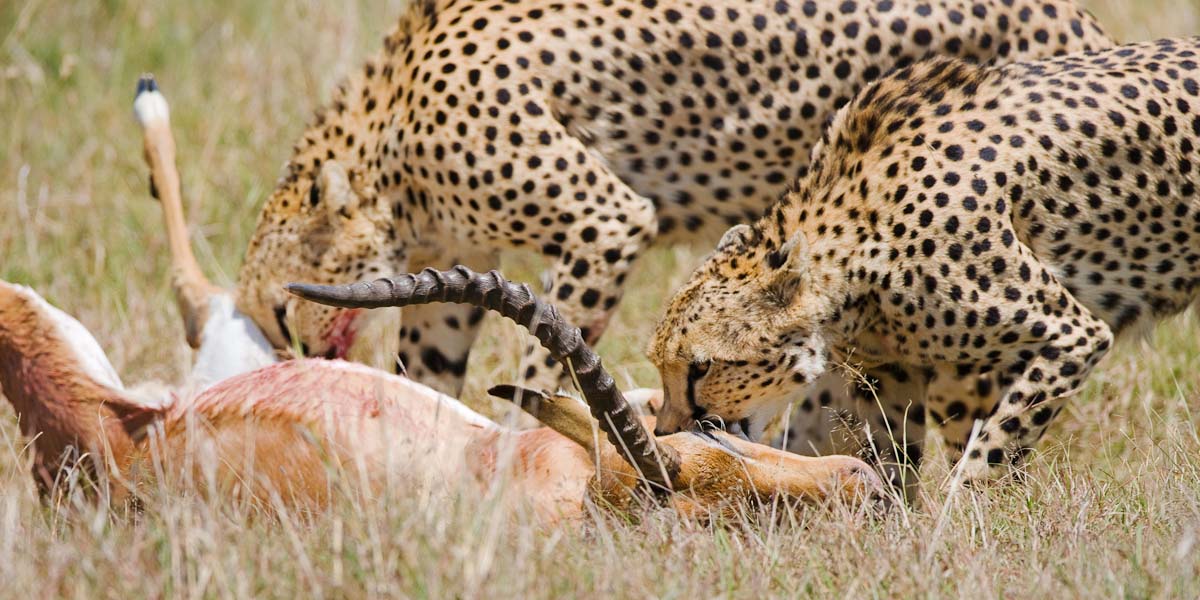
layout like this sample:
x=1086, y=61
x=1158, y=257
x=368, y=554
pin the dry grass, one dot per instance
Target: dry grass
x=1111, y=508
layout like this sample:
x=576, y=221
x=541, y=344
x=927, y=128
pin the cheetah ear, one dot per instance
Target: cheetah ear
x=792, y=257
x=339, y=197
x=738, y=234
x=788, y=266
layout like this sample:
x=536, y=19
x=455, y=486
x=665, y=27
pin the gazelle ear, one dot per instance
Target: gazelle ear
x=564, y=414
x=335, y=192
x=738, y=234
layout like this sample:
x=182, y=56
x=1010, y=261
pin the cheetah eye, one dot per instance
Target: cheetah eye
x=698, y=369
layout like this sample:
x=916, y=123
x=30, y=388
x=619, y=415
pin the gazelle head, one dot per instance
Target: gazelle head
x=717, y=470
x=706, y=471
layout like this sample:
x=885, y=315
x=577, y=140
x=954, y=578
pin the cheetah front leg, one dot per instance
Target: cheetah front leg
x=436, y=339
x=877, y=414
x=601, y=229
x=817, y=417
x=546, y=190
x=1061, y=343
x=957, y=397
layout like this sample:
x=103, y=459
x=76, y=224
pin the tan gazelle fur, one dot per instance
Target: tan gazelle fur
x=283, y=432
x=280, y=432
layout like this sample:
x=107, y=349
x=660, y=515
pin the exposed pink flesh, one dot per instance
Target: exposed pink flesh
x=342, y=333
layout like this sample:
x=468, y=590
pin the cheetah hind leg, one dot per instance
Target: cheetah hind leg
x=436, y=339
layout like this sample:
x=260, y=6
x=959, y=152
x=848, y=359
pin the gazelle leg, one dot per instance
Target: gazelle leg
x=192, y=289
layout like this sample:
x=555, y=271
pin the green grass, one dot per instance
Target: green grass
x=1111, y=508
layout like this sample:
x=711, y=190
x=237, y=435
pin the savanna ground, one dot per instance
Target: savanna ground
x=1112, y=501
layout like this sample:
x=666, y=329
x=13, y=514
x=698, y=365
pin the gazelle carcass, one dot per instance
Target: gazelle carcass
x=280, y=432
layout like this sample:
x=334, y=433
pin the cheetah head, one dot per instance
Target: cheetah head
x=315, y=228
x=741, y=336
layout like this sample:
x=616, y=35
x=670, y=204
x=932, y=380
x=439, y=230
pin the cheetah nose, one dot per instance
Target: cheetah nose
x=661, y=430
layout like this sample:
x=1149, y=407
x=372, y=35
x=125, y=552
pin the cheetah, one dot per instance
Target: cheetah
x=961, y=219
x=581, y=131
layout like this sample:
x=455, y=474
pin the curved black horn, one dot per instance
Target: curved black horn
x=658, y=464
